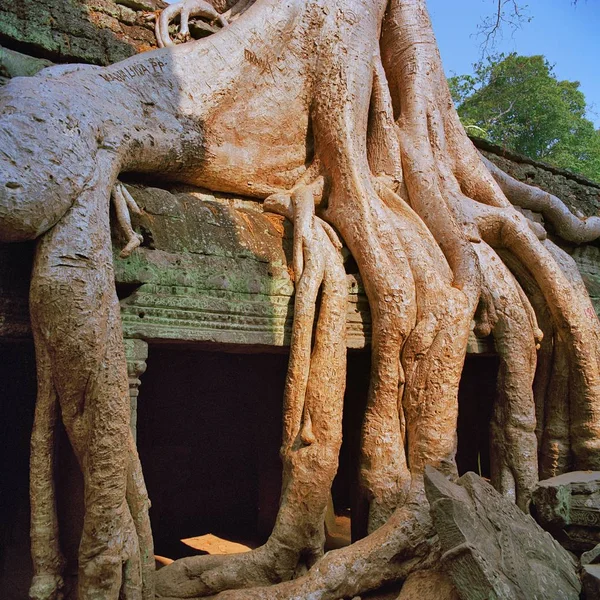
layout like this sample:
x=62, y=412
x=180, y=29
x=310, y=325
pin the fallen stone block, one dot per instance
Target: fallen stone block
x=590, y=575
x=568, y=506
x=491, y=549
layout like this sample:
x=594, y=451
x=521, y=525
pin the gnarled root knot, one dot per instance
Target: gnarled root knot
x=185, y=10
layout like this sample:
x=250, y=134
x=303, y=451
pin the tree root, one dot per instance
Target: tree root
x=513, y=444
x=551, y=384
x=312, y=420
x=406, y=543
x=185, y=10
x=47, y=558
x=568, y=226
x=438, y=147
x=573, y=318
x=124, y=205
x=82, y=370
x=393, y=172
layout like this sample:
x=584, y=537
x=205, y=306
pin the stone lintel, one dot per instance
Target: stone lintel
x=212, y=269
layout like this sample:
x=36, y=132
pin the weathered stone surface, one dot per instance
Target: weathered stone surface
x=428, y=585
x=587, y=258
x=16, y=64
x=90, y=31
x=590, y=573
x=492, y=549
x=569, y=507
x=591, y=557
x=207, y=272
x=148, y=5
x=136, y=352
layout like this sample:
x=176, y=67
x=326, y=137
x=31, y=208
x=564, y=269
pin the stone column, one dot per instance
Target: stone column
x=136, y=352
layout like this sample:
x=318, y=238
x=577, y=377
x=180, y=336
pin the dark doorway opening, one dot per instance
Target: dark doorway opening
x=476, y=397
x=209, y=425
x=17, y=404
x=209, y=431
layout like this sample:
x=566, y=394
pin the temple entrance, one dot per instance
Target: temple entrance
x=17, y=403
x=208, y=433
x=476, y=396
x=209, y=428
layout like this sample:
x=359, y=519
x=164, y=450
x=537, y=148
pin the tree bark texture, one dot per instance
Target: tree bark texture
x=338, y=116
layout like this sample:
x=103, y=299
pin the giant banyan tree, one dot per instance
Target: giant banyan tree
x=337, y=115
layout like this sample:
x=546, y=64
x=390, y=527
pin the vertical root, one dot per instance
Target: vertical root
x=139, y=505
x=513, y=442
x=551, y=383
x=573, y=317
x=390, y=289
x=310, y=448
x=75, y=315
x=383, y=145
x=434, y=355
x=47, y=558
x=340, y=117
x=412, y=64
x=555, y=452
x=312, y=428
x=434, y=352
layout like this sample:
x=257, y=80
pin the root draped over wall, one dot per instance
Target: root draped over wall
x=339, y=118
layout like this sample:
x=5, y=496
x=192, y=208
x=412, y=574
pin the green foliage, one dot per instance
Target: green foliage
x=518, y=103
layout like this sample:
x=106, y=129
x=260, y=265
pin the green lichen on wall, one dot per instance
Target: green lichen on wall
x=206, y=272
x=90, y=31
x=15, y=64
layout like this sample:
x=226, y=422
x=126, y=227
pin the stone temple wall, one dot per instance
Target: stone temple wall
x=581, y=195
x=91, y=31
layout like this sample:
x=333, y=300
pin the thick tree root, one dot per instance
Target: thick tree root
x=513, y=442
x=570, y=227
x=573, y=317
x=555, y=448
x=551, y=384
x=406, y=543
x=139, y=505
x=47, y=558
x=312, y=431
x=75, y=318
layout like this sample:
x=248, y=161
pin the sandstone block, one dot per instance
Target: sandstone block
x=491, y=549
x=590, y=575
x=568, y=506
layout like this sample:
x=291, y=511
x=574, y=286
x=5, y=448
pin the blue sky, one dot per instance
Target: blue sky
x=568, y=36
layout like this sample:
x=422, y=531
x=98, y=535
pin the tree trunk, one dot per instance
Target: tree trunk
x=339, y=117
